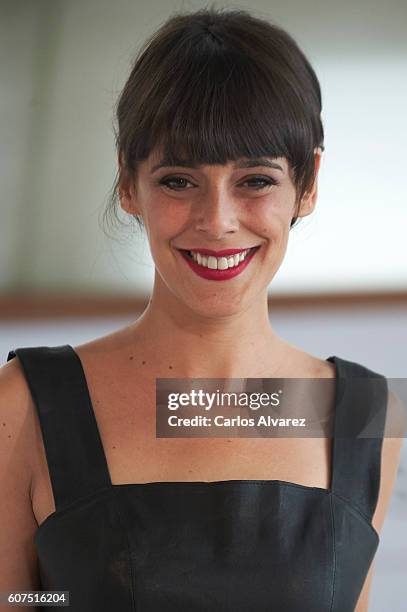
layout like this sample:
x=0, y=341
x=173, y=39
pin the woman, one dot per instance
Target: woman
x=219, y=146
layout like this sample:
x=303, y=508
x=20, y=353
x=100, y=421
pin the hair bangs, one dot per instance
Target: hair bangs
x=220, y=106
x=215, y=86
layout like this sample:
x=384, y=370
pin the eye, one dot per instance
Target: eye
x=265, y=181
x=180, y=182
x=166, y=180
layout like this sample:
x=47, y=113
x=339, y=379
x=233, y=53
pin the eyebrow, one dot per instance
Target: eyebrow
x=247, y=163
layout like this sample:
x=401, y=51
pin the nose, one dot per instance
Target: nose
x=217, y=214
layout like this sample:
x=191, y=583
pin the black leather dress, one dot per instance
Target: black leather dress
x=224, y=546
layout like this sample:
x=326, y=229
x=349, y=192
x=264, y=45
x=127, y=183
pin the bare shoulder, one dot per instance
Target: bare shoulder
x=114, y=346
x=18, y=435
x=303, y=364
x=17, y=413
x=117, y=359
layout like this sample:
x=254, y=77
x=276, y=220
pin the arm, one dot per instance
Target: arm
x=18, y=559
x=389, y=465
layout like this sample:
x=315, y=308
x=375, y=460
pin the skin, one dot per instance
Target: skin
x=217, y=208
x=191, y=328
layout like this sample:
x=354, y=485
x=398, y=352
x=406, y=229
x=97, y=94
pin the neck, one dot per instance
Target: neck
x=236, y=345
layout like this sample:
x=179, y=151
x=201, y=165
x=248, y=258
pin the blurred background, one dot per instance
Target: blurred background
x=342, y=289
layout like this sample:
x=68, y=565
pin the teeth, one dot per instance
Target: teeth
x=219, y=263
x=213, y=262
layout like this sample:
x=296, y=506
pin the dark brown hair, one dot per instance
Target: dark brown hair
x=213, y=86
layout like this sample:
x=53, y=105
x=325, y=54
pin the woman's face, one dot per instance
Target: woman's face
x=216, y=208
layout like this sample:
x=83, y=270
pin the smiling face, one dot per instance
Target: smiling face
x=244, y=204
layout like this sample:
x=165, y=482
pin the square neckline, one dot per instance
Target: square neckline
x=97, y=485
x=210, y=483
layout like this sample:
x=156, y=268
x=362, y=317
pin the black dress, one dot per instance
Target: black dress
x=223, y=546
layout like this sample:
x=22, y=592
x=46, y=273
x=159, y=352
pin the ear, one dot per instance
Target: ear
x=126, y=189
x=309, y=199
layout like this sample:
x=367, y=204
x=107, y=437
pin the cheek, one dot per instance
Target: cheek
x=273, y=217
x=165, y=222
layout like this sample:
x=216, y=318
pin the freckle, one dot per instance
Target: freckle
x=113, y=447
x=4, y=424
x=131, y=357
x=9, y=436
x=170, y=367
x=143, y=362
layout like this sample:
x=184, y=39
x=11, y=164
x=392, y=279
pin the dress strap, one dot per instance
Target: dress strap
x=75, y=456
x=359, y=421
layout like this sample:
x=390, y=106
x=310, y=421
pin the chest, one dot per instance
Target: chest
x=126, y=420
x=134, y=454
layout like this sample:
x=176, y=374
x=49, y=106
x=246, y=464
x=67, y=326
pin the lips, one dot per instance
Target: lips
x=216, y=274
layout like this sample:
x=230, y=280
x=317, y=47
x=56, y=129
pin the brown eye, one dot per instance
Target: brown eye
x=178, y=180
x=261, y=182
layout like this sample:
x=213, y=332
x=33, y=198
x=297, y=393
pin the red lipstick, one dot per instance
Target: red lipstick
x=218, y=275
